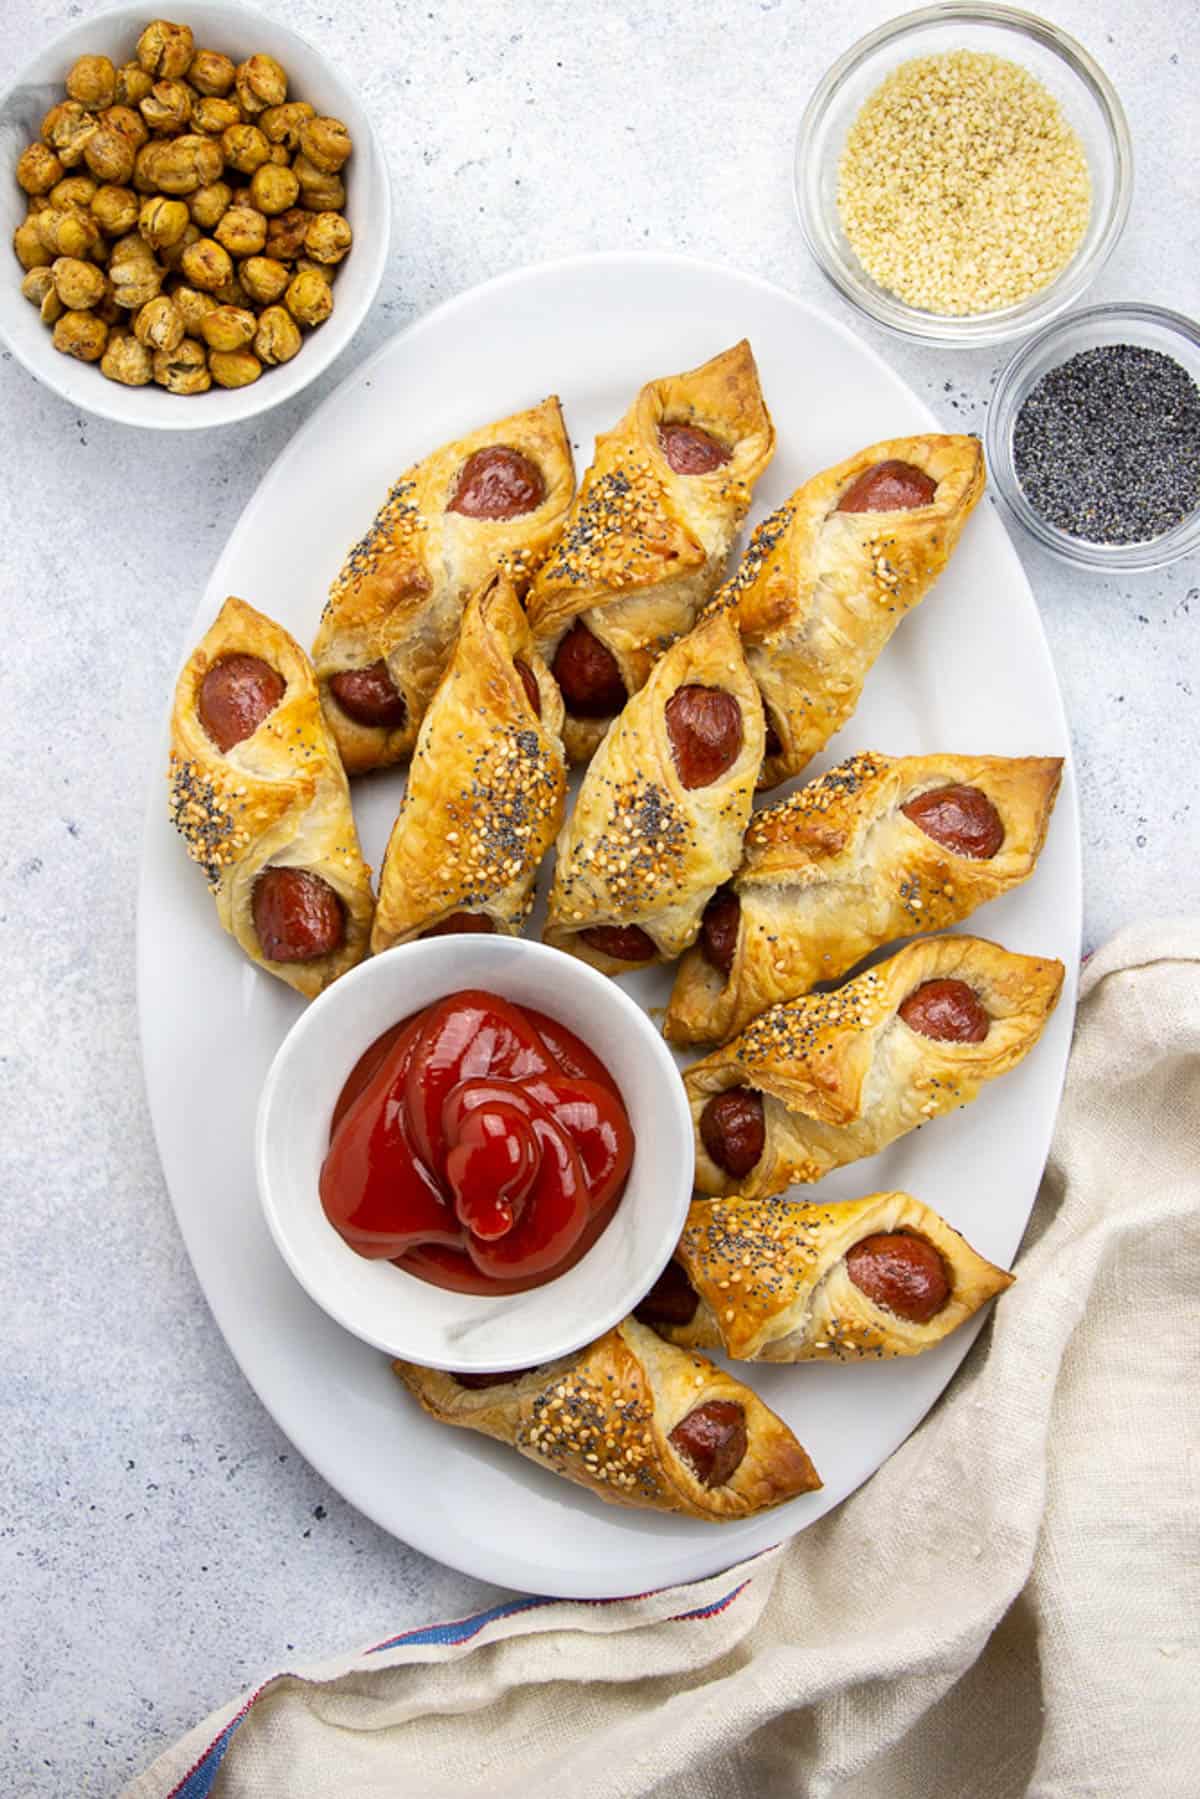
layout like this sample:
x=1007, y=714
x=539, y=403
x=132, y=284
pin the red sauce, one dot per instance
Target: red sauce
x=479, y=1145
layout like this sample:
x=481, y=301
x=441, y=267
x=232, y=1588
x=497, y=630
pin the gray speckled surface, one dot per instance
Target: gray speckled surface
x=160, y=1543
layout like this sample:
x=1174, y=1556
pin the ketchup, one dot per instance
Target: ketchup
x=479, y=1144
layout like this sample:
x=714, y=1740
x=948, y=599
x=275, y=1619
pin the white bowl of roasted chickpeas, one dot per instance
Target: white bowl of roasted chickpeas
x=198, y=212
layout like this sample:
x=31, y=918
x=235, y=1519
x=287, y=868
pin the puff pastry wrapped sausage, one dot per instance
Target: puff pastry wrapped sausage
x=496, y=498
x=260, y=798
x=828, y=577
x=659, y=819
x=770, y=1280
x=635, y=1420
x=486, y=788
x=648, y=535
x=878, y=848
x=822, y=1081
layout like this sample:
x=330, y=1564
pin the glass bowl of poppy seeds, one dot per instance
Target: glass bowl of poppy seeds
x=1093, y=437
x=963, y=173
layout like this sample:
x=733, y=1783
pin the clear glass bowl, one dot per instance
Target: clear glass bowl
x=1088, y=101
x=1151, y=327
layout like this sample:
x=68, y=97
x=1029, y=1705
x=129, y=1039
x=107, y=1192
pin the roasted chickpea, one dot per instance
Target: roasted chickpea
x=92, y=80
x=273, y=190
x=285, y=234
x=165, y=49
x=36, y=284
x=260, y=83
x=115, y=210
x=74, y=190
x=82, y=335
x=232, y=293
x=67, y=231
x=167, y=107
x=39, y=289
x=245, y=148
x=162, y=222
x=264, y=279
x=212, y=115
x=129, y=123
x=208, y=204
x=67, y=128
x=326, y=143
x=133, y=84
x=309, y=298
x=135, y=275
x=183, y=370
x=228, y=328
x=110, y=155
x=319, y=192
x=30, y=250
x=278, y=336
x=193, y=308
x=234, y=368
x=79, y=285
x=242, y=231
x=172, y=256
x=126, y=360
x=207, y=265
x=281, y=124
x=158, y=324
x=211, y=72
x=38, y=168
x=180, y=165
x=279, y=156
x=328, y=237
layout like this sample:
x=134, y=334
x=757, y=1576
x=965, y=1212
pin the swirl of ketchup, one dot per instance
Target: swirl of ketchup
x=479, y=1145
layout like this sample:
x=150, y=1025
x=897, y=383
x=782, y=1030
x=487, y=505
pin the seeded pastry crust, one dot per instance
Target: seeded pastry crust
x=842, y=1075
x=279, y=797
x=644, y=547
x=603, y=1418
x=838, y=869
x=773, y=1286
x=819, y=592
x=400, y=595
x=640, y=848
x=487, y=784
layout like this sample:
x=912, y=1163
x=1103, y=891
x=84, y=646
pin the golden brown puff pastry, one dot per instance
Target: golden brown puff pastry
x=771, y=1280
x=486, y=788
x=260, y=798
x=822, y=1081
x=658, y=821
x=648, y=535
x=820, y=590
x=394, y=611
x=878, y=848
x=635, y=1420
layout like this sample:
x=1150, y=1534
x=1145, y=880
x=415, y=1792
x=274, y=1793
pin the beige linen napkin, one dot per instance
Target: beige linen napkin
x=1011, y=1605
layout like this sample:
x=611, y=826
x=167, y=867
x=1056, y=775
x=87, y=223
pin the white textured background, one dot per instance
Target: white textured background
x=160, y=1543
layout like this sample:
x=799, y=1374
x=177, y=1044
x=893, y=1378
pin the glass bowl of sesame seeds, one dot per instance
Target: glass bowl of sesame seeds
x=1093, y=437
x=963, y=173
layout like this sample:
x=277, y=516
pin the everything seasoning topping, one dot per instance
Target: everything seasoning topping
x=816, y=798
x=396, y=521
x=204, y=819
x=574, y=1420
x=635, y=854
x=763, y=539
x=1107, y=445
x=798, y=1026
x=962, y=188
x=618, y=532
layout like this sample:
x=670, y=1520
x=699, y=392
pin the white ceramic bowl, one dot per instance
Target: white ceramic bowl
x=239, y=32
x=394, y=1310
